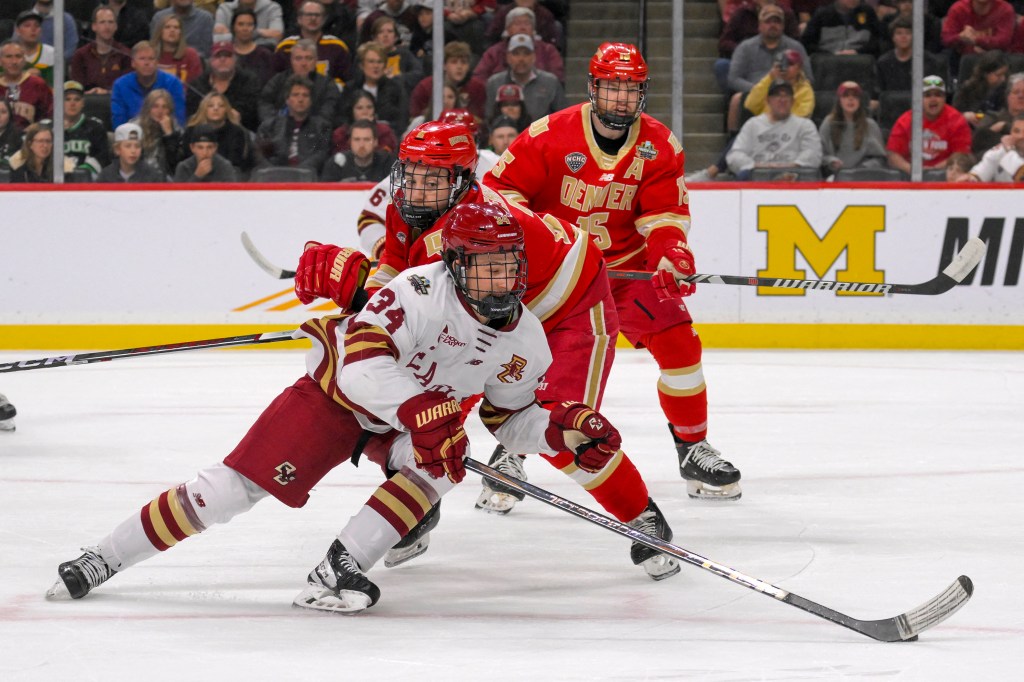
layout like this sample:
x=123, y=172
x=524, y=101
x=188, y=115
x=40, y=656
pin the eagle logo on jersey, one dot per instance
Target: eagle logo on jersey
x=285, y=473
x=575, y=160
x=421, y=285
x=512, y=370
x=647, y=151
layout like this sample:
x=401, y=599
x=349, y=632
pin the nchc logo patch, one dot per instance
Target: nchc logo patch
x=575, y=160
x=853, y=234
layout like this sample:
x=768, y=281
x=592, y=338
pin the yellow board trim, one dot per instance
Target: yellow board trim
x=810, y=336
x=859, y=336
x=116, y=337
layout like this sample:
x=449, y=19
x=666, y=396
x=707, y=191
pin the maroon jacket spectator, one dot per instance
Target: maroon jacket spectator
x=544, y=21
x=975, y=26
x=470, y=92
x=99, y=63
x=29, y=95
x=333, y=55
x=520, y=20
x=743, y=24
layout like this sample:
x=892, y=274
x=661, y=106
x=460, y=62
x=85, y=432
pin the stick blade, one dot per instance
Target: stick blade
x=965, y=261
x=260, y=260
x=934, y=611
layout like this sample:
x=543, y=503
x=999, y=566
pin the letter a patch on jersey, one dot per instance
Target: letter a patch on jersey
x=575, y=160
x=512, y=370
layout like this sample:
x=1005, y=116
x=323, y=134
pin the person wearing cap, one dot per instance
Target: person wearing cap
x=267, y=13
x=843, y=27
x=130, y=90
x=975, y=26
x=205, y=164
x=509, y=103
x=85, y=137
x=775, y=138
x=503, y=131
x=127, y=165
x=29, y=95
x=39, y=56
x=1005, y=161
x=789, y=67
x=470, y=92
x=101, y=61
x=754, y=58
x=945, y=131
x=223, y=75
x=44, y=8
x=196, y=24
x=849, y=137
x=333, y=56
x=543, y=94
x=520, y=21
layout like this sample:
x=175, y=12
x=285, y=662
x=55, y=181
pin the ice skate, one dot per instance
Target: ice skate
x=338, y=585
x=496, y=498
x=416, y=540
x=708, y=476
x=658, y=566
x=81, y=576
x=7, y=413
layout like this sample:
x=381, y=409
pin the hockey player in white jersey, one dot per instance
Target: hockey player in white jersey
x=385, y=382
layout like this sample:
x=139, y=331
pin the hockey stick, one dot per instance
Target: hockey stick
x=904, y=627
x=106, y=355
x=962, y=264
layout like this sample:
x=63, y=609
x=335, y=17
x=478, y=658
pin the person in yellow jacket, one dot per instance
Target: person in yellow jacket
x=789, y=67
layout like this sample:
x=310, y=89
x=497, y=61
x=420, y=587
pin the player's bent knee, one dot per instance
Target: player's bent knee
x=218, y=493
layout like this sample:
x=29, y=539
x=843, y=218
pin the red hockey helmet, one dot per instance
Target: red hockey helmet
x=495, y=287
x=463, y=116
x=432, y=145
x=617, y=62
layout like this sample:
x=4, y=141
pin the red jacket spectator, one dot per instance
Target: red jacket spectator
x=943, y=136
x=974, y=26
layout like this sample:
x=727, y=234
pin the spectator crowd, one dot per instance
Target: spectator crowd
x=823, y=88
x=237, y=90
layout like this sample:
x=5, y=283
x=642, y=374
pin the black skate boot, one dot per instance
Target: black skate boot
x=416, y=540
x=79, y=577
x=658, y=566
x=7, y=413
x=338, y=585
x=496, y=498
x=708, y=476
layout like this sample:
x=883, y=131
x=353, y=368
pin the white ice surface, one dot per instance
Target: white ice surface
x=871, y=481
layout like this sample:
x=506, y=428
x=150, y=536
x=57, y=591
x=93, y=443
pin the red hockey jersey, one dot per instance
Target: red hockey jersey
x=556, y=167
x=560, y=264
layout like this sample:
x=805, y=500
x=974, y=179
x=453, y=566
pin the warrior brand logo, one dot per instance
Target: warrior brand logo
x=853, y=234
x=475, y=361
x=285, y=473
x=575, y=160
x=436, y=412
x=512, y=370
x=647, y=151
x=420, y=284
x=449, y=340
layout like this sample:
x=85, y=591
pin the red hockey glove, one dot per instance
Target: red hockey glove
x=579, y=429
x=328, y=271
x=669, y=256
x=435, y=423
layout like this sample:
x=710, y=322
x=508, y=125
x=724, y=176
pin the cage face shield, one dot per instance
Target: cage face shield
x=435, y=168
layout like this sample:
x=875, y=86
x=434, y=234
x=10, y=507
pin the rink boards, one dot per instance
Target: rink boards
x=88, y=269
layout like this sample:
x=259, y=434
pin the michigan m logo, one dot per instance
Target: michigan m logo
x=852, y=233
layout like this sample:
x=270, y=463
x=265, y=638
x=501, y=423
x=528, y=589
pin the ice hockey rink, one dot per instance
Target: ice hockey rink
x=871, y=481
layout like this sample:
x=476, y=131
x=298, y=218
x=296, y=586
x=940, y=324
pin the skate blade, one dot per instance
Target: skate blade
x=58, y=592
x=397, y=557
x=495, y=503
x=661, y=567
x=320, y=598
x=705, y=491
x=7, y=425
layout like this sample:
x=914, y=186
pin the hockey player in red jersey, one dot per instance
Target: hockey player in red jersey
x=566, y=288
x=380, y=383
x=617, y=174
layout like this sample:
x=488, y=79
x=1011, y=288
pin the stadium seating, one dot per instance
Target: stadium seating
x=870, y=175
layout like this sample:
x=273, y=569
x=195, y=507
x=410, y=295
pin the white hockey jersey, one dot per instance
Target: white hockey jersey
x=415, y=335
